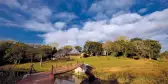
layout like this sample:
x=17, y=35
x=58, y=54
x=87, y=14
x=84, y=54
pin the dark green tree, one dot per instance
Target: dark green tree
x=44, y=52
x=164, y=55
x=78, y=48
x=67, y=47
x=16, y=52
x=154, y=48
x=4, y=45
x=54, y=50
x=93, y=48
x=135, y=39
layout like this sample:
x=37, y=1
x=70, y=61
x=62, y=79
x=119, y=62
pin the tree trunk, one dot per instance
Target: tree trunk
x=91, y=54
x=31, y=59
x=18, y=61
x=41, y=61
x=15, y=61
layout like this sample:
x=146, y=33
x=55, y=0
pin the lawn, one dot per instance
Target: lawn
x=100, y=63
x=108, y=67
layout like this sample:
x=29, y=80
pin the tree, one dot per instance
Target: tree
x=31, y=53
x=16, y=52
x=123, y=38
x=164, y=55
x=136, y=39
x=78, y=48
x=54, y=44
x=108, y=47
x=44, y=52
x=154, y=48
x=4, y=45
x=67, y=47
x=54, y=50
x=147, y=48
x=122, y=47
x=141, y=50
x=93, y=48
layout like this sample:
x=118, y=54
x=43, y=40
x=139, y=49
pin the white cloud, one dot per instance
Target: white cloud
x=143, y=10
x=110, y=6
x=68, y=37
x=11, y=3
x=41, y=14
x=66, y=16
x=125, y=19
x=37, y=26
x=40, y=20
x=132, y=25
x=60, y=25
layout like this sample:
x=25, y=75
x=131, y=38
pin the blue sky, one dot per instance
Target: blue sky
x=72, y=22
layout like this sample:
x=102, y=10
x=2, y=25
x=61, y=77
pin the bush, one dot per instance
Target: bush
x=136, y=57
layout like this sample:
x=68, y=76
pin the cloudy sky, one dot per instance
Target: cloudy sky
x=72, y=22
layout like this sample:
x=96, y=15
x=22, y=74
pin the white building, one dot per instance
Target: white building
x=82, y=69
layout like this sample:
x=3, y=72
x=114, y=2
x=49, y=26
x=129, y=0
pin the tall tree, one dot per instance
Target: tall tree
x=154, y=48
x=4, y=45
x=141, y=50
x=164, y=55
x=31, y=53
x=93, y=48
x=44, y=52
x=78, y=48
x=136, y=39
x=16, y=52
x=67, y=47
x=54, y=44
x=54, y=50
x=108, y=47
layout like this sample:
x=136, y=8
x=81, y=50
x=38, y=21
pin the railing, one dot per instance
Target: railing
x=67, y=68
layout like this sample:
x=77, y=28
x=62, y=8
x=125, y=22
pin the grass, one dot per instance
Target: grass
x=124, y=70
x=46, y=66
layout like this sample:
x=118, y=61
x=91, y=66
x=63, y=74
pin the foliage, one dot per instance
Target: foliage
x=108, y=46
x=154, y=48
x=79, y=48
x=164, y=55
x=54, y=44
x=93, y=48
x=4, y=45
x=67, y=47
x=135, y=39
x=136, y=47
x=54, y=50
x=16, y=52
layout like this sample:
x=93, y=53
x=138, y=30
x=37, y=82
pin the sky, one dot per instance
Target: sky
x=73, y=22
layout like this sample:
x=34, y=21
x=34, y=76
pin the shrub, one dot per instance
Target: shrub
x=143, y=80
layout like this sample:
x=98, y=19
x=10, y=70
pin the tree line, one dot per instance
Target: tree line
x=134, y=48
x=18, y=52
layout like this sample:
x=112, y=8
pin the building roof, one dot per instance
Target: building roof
x=63, y=52
x=74, y=51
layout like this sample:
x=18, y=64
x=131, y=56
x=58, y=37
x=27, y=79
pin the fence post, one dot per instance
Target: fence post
x=51, y=73
x=31, y=69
